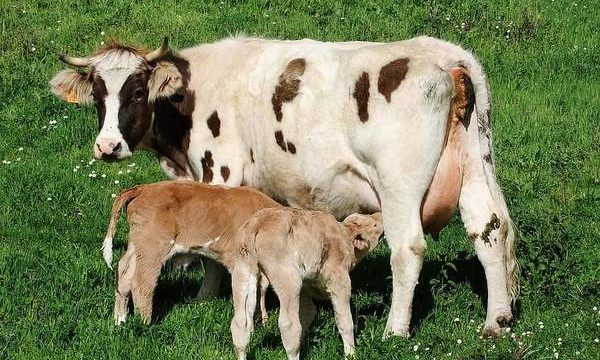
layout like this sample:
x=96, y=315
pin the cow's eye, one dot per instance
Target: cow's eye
x=138, y=95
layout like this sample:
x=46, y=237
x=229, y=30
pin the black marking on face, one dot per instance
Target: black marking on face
x=99, y=93
x=134, y=111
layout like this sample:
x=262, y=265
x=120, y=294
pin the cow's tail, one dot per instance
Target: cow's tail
x=122, y=199
x=481, y=117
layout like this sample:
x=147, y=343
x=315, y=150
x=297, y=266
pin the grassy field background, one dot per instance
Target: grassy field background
x=543, y=63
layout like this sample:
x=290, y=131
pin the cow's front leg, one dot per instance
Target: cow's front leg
x=213, y=274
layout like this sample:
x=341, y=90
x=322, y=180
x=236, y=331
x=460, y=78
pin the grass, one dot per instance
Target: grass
x=56, y=294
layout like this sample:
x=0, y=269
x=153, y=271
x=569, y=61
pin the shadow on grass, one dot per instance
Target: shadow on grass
x=181, y=287
x=374, y=276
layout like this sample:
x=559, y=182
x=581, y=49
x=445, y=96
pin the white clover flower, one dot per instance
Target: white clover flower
x=113, y=195
x=120, y=172
x=596, y=340
x=459, y=341
x=116, y=182
x=416, y=347
x=20, y=149
x=128, y=171
x=48, y=199
x=595, y=308
x=102, y=33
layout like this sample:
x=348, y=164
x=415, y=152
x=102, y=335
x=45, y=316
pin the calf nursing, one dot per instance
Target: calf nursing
x=174, y=218
x=300, y=252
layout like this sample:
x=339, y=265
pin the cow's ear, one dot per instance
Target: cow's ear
x=164, y=80
x=72, y=86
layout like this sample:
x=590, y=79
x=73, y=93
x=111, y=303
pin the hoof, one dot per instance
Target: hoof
x=388, y=334
x=491, y=332
x=504, y=320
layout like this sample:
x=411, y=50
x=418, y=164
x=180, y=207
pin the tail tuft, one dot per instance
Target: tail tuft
x=107, y=251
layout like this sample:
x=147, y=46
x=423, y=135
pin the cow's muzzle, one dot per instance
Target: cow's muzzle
x=110, y=149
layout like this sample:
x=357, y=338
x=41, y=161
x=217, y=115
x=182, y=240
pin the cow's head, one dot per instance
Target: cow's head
x=123, y=83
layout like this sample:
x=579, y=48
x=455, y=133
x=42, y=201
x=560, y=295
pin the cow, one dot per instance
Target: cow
x=351, y=127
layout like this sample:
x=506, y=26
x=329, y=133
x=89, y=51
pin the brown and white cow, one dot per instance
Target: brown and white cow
x=350, y=127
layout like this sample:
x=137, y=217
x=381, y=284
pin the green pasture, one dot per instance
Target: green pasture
x=543, y=63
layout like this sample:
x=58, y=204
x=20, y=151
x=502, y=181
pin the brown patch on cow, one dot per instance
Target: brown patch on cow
x=288, y=86
x=225, y=173
x=464, y=99
x=390, y=77
x=473, y=236
x=280, y=141
x=493, y=224
x=251, y=155
x=214, y=124
x=487, y=158
x=207, y=164
x=291, y=147
x=361, y=94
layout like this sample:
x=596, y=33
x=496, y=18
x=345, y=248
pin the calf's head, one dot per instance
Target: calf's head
x=123, y=83
x=365, y=232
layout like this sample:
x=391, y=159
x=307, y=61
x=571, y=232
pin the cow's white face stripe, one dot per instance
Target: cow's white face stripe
x=114, y=68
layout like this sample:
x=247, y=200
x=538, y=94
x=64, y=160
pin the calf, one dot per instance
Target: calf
x=303, y=254
x=174, y=218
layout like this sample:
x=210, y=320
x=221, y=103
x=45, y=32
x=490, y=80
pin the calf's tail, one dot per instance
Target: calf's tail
x=122, y=199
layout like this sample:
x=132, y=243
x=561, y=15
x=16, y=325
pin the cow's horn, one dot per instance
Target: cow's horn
x=162, y=50
x=74, y=61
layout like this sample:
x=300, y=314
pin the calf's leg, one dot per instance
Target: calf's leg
x=243, y=288
x=125, y=273
x=264, y=286
x=339, y=290
x=287, y=284
x=213, y=274
x=307, y=311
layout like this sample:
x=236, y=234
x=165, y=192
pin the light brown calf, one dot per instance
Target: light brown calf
x=173, y=218
x=301, y=253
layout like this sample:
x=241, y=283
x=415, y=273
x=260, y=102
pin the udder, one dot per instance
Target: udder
x=441, y=199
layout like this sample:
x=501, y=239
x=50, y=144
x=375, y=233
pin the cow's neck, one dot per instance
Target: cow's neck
x=169, y=135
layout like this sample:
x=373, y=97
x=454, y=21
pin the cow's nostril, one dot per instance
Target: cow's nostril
x=117, y=148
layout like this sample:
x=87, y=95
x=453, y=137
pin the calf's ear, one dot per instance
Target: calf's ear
x=73, y=87
x=164, y=80
x=360, y=243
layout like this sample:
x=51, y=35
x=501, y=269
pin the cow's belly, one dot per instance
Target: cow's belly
x=341, y=189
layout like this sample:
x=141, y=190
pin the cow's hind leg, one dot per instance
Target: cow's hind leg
x=488, y=225
x=405, y=165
